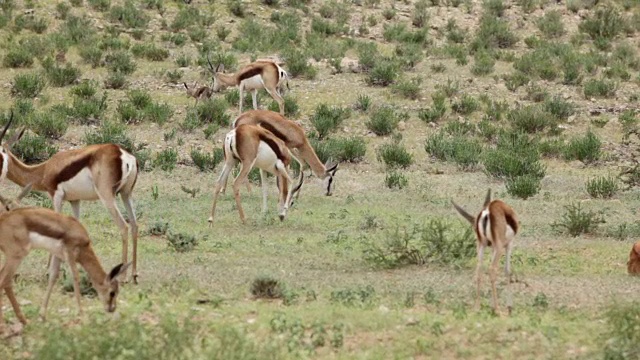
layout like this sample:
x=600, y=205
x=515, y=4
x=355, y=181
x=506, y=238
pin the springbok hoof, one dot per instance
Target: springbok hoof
x=135, y=279
x=281, y=217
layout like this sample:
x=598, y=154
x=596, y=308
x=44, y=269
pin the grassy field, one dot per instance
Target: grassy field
x=422, y=102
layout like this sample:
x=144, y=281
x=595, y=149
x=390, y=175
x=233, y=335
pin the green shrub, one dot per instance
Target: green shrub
x=559, y=107
x=484, y=64
x=622, y=336
x=166, y=159
x=236, y=7
x=213, y=110
x=62, y=76
x=437, y=242
x=437, y=110
x=129, y=15
x=181, y=242
x=576, y=221
x=150, y=52
x=17, y=57
x=363, y=103
x=551, y=24
x=523, y=187
x=383, y=73
x=291, y=107
x=27, y=85
x=466, y=105
x=327, y=119
x=532, y=119
x=605, y=23
x=110, y=132
x=394, y=155
x=409, y=89
x=585, y=149
x=396, y=180
x=100, y=5
x=493, y=33
x=205, y=161
x=350, y=149
x=266, y=287
x=599, y=88
x=383, y=121
x=362, y=296
x=515, y=80
x=120, y=62
x=463, y=151
x=33, y=149
x=49, y=124
x=515, y=155
x=602, y=187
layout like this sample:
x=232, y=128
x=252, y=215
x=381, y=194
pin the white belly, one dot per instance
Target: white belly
x=254, y=82
x=266, y=158
x=79, y=187
x=39, y=241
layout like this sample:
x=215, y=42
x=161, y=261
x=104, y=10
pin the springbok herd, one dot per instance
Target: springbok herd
x=260, y=138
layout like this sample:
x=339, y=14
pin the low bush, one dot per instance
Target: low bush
x=396, y=180
x=576, y=221
x=207, y=161
x=383, y=121
x=326, y=119
x=27, y=85
x=394, y=155
x=585, y=149
x=166, y=159
x=463, y=151
x=602, y=187
x=33, y=149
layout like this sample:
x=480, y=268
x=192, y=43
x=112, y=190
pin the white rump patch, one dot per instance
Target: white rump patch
x=129, y=170
x=52, y=245
x=485, y=231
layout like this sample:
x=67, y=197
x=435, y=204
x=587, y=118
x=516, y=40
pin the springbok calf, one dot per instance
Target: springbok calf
x=258, y=75
x=90, y=173
x=23, y=229
x=294, y=138
x=254, y=146
x=495, y=226
x=198, y=92
x=633, y=265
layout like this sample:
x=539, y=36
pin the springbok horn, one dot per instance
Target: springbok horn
x=210, y=64
x=4, y=131
x=462, y=212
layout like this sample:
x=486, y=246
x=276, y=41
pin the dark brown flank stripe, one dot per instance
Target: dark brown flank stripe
x=273, y=130
x=41, y=227
x=250, y=73
x=117, y=165
x=72, y=169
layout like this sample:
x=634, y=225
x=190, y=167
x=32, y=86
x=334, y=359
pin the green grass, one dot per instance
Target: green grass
x=500, y=96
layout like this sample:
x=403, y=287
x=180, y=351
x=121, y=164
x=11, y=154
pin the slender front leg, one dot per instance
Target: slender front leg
x=106, y=195
x=241, y=92
x=6, y=277
x=276, y=96
x=14, y=304
x=75, y=208
x=133, y=223
x=244, y=172
x=263, y=181
x=54, y=271
x=254, y=96
x=480, y=250
x=57, y=199
x=222, y=180
x=76, y=280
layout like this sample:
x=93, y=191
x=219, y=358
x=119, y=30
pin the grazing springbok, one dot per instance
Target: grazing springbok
x=258, y=75
x=90, y=173
x=633, y=265
x=25, y=228
x=254, y=146
x=294, y=138
x=198, y=92
x=495, y=226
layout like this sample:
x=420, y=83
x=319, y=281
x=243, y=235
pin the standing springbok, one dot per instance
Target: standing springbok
x=258, y=75
x=90, y=173
x=495, y=226
x=198, y=92
x=254, y=146
x=294, y=138
x=23, y=229
x=633, y=265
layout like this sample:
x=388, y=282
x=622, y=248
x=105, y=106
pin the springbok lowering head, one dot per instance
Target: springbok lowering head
x=295, y=139
x=90, y=173
x=25, y=228
x=258, y=75
x=254, y=146
x=496, y=226
x=198, y=92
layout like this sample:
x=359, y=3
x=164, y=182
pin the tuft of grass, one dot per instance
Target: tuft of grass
x=383, y=121
x=396, y=180
x=603, y=187
x=363, y=103
x=181, y=242
x=267, y=287
x=585, y=149
x=463, y=151
x=394, y=155
x=436, y=111
x=166, y=159
x=205, y=161
x=383, y=73
x=466, y=105
x=409, y=89
x=17, y=57
x=27, y=85
x=326, y=119
x=599, y=88
x=532, y=119
x=576, y=221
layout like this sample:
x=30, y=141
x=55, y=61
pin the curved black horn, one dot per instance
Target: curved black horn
x=4, y=131
x=211, y=68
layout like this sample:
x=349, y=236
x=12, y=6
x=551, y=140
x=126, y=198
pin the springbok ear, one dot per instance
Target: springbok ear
x=487, y=199
x=6, y=127
x=220, y=68
x=25, y=191
x=464, y=213
x=118, y=270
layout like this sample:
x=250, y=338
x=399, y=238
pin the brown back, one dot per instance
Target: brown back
x=633, y=265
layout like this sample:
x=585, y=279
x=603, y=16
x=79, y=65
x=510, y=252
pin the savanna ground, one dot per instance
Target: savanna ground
x=425, y=101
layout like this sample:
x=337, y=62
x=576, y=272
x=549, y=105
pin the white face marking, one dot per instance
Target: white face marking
x=230, y=143
x=52, y=245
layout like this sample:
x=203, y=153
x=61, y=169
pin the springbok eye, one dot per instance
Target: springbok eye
x=112, y=294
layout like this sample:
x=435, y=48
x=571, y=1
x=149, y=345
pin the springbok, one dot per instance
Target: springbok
x=495, y=226
x=90, y=173
x=633, y=265
x=258, y=75
x=25, y=228
x=294, y=138
x=198, y=92
x=254, y=146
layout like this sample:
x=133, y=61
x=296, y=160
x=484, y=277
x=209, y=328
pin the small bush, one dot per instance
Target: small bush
x=605, y=23
x=409, y=89
x=236, y=7
x=463, y=151
x=266, y=287
x=437, y=110
x=532, y=119
x=551, y=24
x=110, y=132
x=17, y=57
x=129, y=15
x=62, y=76
x=327, y=119
x=120, y=62
x=166, y=159
x=515, y=155
x=49, y=124
x=363, y=297
x=383, y=121
x=363, y=103
x=350, y=149
x=576, y=221
x=28, y=85
x=33, y=149
x=599, y=88
x=559, y=107
x=383, y=73
x=396, y=180
x=523, y=187
x=291, y=107
x=150, y=52
x=115, y=80
x=585, y=149
x=394, y=155
x=623, y=323
x=205, y=161
x=182, y=242
x=466, y=105
x=602, y=187
x=484, y=64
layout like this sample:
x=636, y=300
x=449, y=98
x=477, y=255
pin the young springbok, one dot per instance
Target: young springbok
x=258, y=75
x=254, y=146
x=633, y=265
x=25, y=228
x=495, y=226
x=294, y=138
x=90, y=173
x=198, y=92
